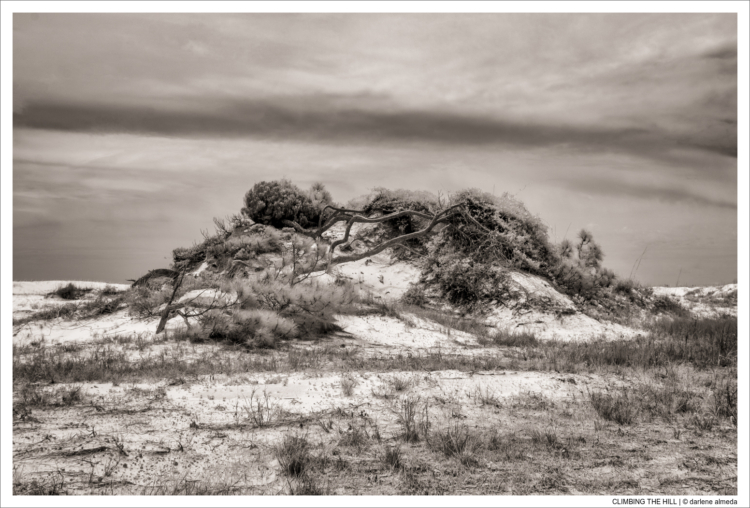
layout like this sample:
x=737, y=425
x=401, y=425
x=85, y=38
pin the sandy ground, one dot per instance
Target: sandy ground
x=131, y=436
x=30, y=296
x=380, y=276
x=170, y=432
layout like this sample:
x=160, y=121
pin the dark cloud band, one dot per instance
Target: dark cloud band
x=321, y=121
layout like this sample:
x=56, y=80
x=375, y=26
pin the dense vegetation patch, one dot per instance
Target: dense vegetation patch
x=277, y=201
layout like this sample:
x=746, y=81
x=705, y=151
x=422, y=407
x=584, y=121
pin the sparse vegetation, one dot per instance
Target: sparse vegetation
x=407, y=410
x=620, y=407
x=259, y=325
x=392, y=457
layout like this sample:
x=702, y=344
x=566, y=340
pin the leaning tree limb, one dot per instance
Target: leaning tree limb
x=352, y=217
x=436, y=219
x=343, y=214
x=316, y=233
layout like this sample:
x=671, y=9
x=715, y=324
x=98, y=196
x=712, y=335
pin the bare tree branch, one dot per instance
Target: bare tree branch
x=436, y=219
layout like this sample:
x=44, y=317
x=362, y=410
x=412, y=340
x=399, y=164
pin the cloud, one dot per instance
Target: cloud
x=672, y=194
x=726, y=52
x=321, y=119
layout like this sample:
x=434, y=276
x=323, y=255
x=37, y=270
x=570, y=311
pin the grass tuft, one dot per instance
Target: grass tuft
x=620, y=407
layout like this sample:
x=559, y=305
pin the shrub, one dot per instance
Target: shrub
x=415, y=295
x=624, y=286
x=464, y=281
x=575, y=280
x=274, y=202
x=665, y=304
x=399, y=383
x=110, y=291
x=469, y=259
x=510, y=233
x=66, y=311
x=605, y=278
x=254, y=328
x=71, y=395
x=103, y=305
x=70, y=292
x=31, y=396
x=579, y=271
x=267, y=242
x=355, y=436
x=312, y=307
x=184, y=258
x=589, y=253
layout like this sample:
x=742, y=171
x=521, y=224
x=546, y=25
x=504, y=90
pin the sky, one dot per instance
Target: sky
x=132, y=131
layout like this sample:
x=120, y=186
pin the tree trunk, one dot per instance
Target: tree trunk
x=168, y=308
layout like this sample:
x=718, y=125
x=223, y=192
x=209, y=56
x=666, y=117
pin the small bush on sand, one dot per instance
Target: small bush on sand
x=33, y=396
x=70, y=292
x=254, y=328
x=184, y=258
x=465, y=282
x=252, y=245
x=624, y=286
x=666, y=305
x=415, y=295
x=110, y=291
x=312, y=307
x=103, y=305
x=71, y=395
x=293, y=454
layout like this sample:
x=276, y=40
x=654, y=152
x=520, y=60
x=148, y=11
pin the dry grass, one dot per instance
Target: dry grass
x=683, y=403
